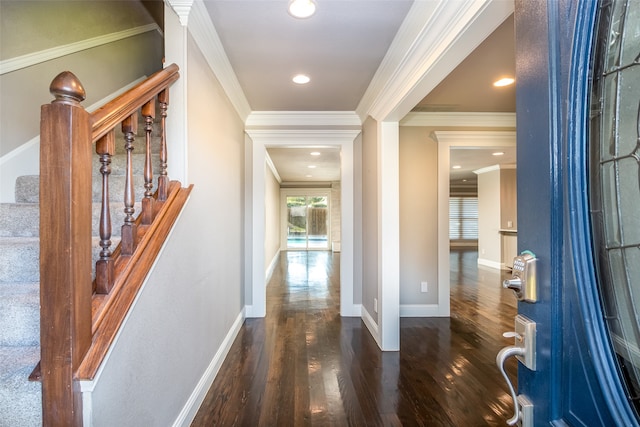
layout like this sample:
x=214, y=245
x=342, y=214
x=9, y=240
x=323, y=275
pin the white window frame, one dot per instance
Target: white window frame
x=306, y=192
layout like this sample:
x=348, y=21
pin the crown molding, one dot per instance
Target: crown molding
x=459, y=120
x=410, y=29
x=182, y=8
x=303, y=118
x=31, y=59
x=476, y=138
x=274, y=171
x=444, y=36
x=291, y=137
x=205, y=36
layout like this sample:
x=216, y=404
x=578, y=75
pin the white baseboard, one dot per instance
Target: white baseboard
x=253, y=312
x=354, y=310
x=190, y=409
x=371, y=325
x=420, y=310
x=272, y=265
x=489, y=263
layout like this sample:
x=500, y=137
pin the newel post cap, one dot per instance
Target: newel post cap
x=67, y=89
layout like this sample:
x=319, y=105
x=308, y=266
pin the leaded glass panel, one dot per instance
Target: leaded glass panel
x=614, y=192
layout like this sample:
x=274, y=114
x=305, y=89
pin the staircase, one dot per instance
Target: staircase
x=20, y=399
x=19, y=307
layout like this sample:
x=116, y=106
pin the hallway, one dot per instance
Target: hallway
x=304, y=365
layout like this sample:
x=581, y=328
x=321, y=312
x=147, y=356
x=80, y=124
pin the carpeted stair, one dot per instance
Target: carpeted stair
x=20, y=400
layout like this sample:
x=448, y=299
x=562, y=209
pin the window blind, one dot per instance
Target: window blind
x=463, y=218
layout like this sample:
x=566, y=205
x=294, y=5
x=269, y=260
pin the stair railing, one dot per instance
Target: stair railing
x=80, y=316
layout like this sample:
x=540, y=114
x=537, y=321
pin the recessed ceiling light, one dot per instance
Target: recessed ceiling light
x=315, y=153
x=464, y=180
x=311, y=166
x=302, y=8
x=301, y=79
x=309, y=176
x=456, y=167
x=498, y=153
x=506, y=81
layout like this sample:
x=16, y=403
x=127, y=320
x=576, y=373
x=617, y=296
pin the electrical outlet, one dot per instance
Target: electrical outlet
x=375, y=305
x=424, y=286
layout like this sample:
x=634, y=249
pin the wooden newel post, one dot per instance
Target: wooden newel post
x=65, y=248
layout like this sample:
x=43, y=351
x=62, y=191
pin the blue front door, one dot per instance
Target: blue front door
x=578, y=202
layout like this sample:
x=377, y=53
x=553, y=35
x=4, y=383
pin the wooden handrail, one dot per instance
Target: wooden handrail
x=114, y=112
x=79, y=319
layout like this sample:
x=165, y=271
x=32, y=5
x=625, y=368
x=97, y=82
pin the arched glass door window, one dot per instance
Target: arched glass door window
x=614, y=175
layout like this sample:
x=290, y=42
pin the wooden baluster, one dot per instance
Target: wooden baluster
x=65, y=249
x=105, y=148
x=149, y=113
x=163, y=178
x=128, y=242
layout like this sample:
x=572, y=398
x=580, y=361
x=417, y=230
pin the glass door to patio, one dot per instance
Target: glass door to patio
x=307, y=222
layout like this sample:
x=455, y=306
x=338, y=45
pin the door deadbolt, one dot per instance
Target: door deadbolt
x=524, y=278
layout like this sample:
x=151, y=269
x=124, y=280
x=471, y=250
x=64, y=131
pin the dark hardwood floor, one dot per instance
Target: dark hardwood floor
x=304, y=365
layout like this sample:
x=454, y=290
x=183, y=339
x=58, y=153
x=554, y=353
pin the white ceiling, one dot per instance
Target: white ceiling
x=473, y=159
x=298, y=165
x=469, y=88
x=341, y=48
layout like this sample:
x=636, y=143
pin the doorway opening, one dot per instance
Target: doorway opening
x=259, y=140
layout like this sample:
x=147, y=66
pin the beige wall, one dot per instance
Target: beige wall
x=216, y=155
x=418, y=216
x=508, y=216
x=29, y=27
x=370, y=239
x=508, y=199
x=193, y=300
x=272, y=217
x=497, y=209
x=80, y=20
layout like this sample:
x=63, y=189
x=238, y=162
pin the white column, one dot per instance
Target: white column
x=257, y=307
x=175, y=39
x=389, y=233
x=347, y=307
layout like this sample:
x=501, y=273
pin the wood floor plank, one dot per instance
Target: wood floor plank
x=304, y=365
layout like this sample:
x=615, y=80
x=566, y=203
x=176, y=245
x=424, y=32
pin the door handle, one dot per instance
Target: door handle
x=514, y=284
x=524, y=349
x=502, y=356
